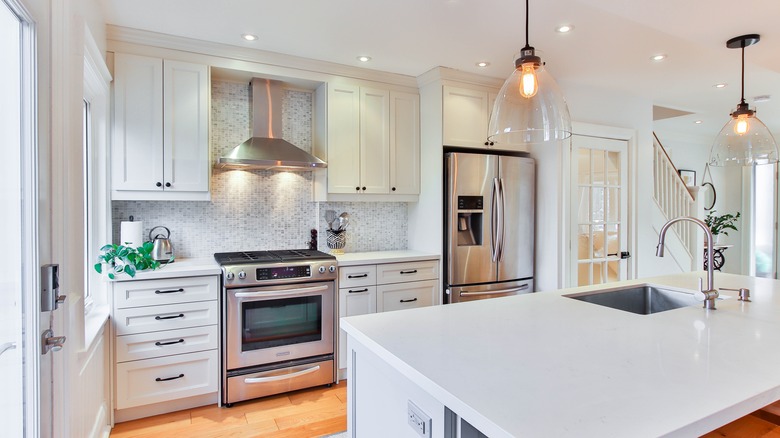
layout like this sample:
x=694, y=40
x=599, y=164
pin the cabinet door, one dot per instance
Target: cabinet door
x=374, y=140
x=404, y=143
x=186, y=127
x=343, y=139
x=137, y=158
x=401, y=296
x=465, y=115
x=353, y=301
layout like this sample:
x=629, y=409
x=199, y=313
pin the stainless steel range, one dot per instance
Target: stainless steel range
x=278, y=318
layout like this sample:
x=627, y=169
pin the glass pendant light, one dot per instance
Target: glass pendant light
x=745, y=140
x=530, y=107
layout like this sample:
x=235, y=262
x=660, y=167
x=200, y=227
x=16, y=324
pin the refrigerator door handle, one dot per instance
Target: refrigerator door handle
x=492, y=292
x=494, y=201
x=501, y=222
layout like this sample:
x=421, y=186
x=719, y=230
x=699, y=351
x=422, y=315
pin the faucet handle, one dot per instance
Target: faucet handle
x=701, y=284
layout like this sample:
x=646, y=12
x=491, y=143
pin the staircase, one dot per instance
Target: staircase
x=673, y=200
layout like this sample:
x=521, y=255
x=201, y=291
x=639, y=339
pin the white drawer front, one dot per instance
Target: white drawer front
x=172, y=316
x=406, y=295
x=165, y=291
x=167, y=378
x=166, y=343
x=352, y=276
x=411, y=271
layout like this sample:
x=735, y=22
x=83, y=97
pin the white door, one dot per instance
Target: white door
x=18, y=262
x=599, y=192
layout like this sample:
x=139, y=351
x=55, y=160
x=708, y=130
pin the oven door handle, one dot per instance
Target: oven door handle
x=284, y=293
x=281, y=376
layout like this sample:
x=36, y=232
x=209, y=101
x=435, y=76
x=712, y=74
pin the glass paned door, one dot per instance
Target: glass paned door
x=761, y=227
x=599, y=209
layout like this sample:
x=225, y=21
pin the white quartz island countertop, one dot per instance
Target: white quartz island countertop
x=544, y=365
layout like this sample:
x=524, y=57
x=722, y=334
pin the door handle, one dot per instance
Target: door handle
x=282, y=376
x=358, y=276
x=491, y=292
x=409, y=301
x=280, y=294
x=165, y=379
x=494, y=222
x=413, y=271
x=160, y=344
x=160, y=318
x=173, y=291
x=357, y=291
x=7, y=346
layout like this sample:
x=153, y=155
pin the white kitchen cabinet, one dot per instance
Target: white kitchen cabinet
x=160, y=149
x=166, y=340
x=466, y=118
x=372, y=143
x=384, y=287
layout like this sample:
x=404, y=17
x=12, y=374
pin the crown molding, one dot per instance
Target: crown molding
x=444, y=74
x=141, y=37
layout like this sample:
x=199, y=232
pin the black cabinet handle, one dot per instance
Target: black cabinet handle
x=159, y=184
x=357, y=188
x=159, y=318
x=358, y=276
x=172, y=291
x=165, y=379
x=357, y=291
x=409, y=301
x=160, y=344
x=364, y=189
x=486, y=143
x=393, y=189
x=167, y=184
x=413, y=271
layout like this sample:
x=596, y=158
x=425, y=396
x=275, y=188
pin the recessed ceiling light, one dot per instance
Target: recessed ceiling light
x=721, y=85
x=564, y=28
x=483, y=64
x=364, y=58
x=658, y=57
x=698, y=122
x=249, y=37
x=763, y=98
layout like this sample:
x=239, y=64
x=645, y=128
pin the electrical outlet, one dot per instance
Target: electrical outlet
x=418, y=420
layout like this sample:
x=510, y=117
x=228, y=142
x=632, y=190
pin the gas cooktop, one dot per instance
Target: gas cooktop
x=278, y=256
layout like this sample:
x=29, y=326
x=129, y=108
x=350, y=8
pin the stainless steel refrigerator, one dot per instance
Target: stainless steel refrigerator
x=489, y=226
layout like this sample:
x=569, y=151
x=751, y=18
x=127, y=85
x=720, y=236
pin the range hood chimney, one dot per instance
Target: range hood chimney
x=266, y=150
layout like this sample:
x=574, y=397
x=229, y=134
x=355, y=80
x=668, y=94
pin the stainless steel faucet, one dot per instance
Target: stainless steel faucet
x=710, y=294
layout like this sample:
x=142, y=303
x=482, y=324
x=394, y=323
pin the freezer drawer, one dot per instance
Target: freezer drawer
x=457, y=294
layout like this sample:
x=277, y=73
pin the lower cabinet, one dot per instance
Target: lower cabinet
x=166, y=340
x=384, y=287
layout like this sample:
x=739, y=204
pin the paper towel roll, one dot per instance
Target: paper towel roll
x=131, y=233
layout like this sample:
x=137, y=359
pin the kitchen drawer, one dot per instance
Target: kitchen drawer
x=166, y=378
x=352, y=276
x=410, y=271
x=399, y=296
x=171, y=316
x=166, y=343
x=165, y=291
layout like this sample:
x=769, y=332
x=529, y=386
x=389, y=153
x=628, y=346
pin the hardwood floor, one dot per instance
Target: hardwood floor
x=761, y=423
x=307, y=413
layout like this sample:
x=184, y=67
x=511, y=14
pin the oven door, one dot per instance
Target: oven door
x=279, y=323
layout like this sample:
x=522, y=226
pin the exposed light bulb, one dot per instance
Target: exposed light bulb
x=742, y=126
x=529, y=83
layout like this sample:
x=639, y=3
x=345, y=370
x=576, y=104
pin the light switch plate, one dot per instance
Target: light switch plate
x=418, y=420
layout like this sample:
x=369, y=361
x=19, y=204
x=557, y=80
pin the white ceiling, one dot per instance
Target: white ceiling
x=610, y=46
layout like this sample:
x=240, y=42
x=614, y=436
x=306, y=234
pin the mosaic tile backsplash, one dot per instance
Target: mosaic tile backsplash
x=263, y=209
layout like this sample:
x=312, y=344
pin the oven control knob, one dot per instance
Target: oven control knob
x=242, y=275
x=321, y=269
x=230, y=275
x=332, y=268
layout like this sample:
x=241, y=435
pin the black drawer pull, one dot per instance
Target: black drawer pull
x=358, y=291
x=169, y=291
x=165, y=379
x=409, y=301
x=159, y=318
x=413, y=271
x=358, y=276
x=160, y=344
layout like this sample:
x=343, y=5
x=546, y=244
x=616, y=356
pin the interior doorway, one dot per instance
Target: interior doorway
x=762, y=221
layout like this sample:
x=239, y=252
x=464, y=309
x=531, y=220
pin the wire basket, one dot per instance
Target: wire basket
x=336, y=241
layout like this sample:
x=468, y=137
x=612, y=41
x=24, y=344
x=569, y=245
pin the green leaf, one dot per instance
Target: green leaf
x=130, y=270
x=111, y=275
x=99, y=268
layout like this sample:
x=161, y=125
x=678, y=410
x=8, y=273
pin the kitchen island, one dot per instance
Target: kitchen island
x=545, y=365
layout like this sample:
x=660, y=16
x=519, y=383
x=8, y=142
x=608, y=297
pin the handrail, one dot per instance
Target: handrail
x=672, y=195
x=669, y=160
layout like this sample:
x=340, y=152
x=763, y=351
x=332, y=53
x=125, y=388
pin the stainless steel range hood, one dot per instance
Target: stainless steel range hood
x=265, y=150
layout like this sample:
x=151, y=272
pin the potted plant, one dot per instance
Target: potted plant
x=127, y=259
x=719, y=224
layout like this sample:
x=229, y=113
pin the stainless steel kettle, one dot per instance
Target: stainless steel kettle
x=162, y=251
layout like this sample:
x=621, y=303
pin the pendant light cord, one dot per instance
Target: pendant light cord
x=743, y=71
x=526, y=25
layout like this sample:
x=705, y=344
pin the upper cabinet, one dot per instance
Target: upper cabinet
x=160, y=149
x=371, y=138
x=466, y=116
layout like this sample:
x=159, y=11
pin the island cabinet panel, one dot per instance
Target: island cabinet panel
x=384, y=287
x=166, y=344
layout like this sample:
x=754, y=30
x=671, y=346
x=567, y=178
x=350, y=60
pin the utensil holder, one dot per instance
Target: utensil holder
x=336, y=241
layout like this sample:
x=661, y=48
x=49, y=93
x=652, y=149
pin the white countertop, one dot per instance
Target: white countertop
x=374, y=257
x=179, y=268
x=545, y=365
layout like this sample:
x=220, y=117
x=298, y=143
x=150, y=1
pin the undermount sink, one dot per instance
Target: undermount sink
x=641, y=299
